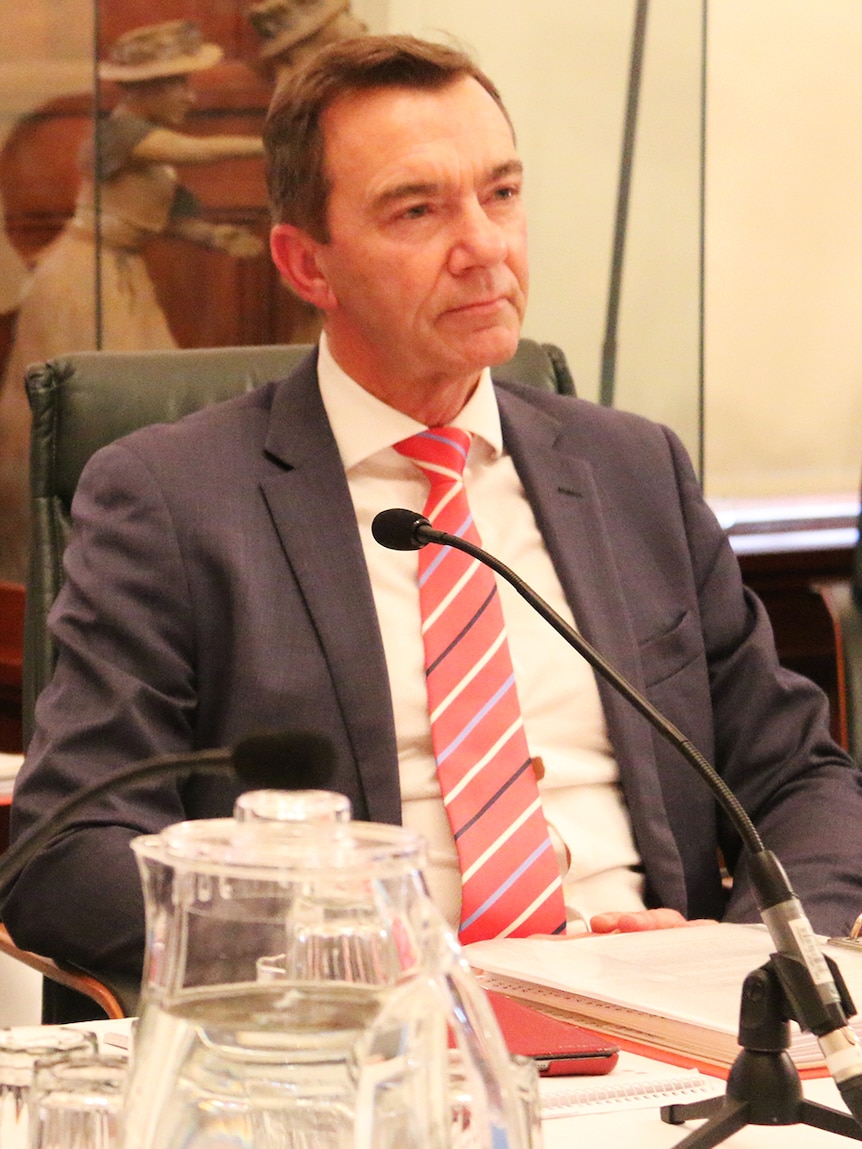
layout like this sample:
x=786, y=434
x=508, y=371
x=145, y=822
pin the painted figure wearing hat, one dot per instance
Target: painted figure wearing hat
x=292, y=30
x=134, y=196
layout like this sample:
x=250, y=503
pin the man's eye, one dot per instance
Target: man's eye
x=415, y=211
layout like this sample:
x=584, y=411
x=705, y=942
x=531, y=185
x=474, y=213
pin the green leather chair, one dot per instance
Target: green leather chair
x=84, y=401
x=81, y=402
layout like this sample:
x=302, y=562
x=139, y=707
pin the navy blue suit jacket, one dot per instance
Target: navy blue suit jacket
x=216, y=586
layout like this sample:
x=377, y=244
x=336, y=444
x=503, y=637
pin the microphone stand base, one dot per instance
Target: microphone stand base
x=776, y=1105
x=763, y=1087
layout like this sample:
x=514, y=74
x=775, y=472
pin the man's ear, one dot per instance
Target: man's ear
x=294, y=253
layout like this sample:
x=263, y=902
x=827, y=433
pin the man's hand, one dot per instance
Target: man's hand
x=616, y=923
x=631, y=923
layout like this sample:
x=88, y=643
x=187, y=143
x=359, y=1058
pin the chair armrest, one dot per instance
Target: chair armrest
x=65, y=975
x=846, y=616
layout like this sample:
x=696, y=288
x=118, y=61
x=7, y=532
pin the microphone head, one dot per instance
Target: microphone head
x=289, y=760
x=398, y=529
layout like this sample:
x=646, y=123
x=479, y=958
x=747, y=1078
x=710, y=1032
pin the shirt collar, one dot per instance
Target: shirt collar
x=363, y=424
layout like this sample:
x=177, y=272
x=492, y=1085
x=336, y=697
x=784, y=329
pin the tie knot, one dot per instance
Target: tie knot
x=440, y=452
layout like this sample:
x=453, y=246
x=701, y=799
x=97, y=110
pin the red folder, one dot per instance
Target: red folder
x=560, y=1047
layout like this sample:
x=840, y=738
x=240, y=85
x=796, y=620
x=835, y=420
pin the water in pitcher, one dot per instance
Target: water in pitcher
x=288, y=1066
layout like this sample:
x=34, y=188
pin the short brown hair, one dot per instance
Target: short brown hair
x=296, y=176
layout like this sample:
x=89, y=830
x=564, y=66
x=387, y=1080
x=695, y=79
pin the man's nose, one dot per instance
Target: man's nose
x=478, y=242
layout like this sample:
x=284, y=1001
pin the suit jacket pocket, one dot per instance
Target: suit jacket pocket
x=667, y=653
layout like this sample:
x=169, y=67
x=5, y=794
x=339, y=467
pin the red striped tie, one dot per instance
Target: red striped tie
x=509, y=873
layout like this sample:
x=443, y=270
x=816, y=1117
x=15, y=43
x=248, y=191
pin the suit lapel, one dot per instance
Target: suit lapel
x=313, y=514
x=560, y=485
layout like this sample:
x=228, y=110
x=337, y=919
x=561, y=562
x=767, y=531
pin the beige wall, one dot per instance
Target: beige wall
x=784, y=247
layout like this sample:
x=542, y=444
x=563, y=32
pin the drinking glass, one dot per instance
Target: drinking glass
x=76, y=1101
x=20, y=1048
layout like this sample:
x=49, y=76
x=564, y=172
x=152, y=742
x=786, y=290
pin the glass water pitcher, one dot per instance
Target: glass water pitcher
x=347, y=1048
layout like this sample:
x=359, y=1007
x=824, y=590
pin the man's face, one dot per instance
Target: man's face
x=426, y=265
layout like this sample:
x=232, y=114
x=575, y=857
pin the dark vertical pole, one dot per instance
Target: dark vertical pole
x=97, y=182
x=609, y=349
x=701, y=367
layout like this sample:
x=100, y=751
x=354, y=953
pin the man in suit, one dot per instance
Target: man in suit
x=223, y=577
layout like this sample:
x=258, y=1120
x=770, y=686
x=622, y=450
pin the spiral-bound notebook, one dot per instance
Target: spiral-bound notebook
x=674, y=990
x=635, y=1084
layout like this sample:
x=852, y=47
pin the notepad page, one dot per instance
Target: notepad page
x=636, y=1083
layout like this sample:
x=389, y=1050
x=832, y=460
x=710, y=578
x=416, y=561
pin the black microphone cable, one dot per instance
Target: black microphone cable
x=287, y=760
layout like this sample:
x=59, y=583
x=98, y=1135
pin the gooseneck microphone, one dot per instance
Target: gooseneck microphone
x=402, y=530
x=288, y=760
x=814, y=988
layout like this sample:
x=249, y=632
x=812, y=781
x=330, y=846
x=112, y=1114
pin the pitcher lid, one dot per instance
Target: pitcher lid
x=264, y=849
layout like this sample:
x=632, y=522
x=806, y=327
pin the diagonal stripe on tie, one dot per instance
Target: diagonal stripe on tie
x=460, y=635
x=468, y=776
x=469, y=821
x=461, y=686
x=510, y=879
x=476, y=717
x=508, y=833
x=502, y=890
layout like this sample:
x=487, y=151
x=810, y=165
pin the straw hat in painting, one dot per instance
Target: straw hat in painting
x=173, y=48
x=282, y=24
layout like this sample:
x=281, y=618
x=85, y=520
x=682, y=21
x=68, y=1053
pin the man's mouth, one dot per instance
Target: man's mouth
x=481, y=306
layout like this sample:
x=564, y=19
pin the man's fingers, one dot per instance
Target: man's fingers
x=627, y=923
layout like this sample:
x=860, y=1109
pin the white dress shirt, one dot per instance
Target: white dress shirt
x=563, y=717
